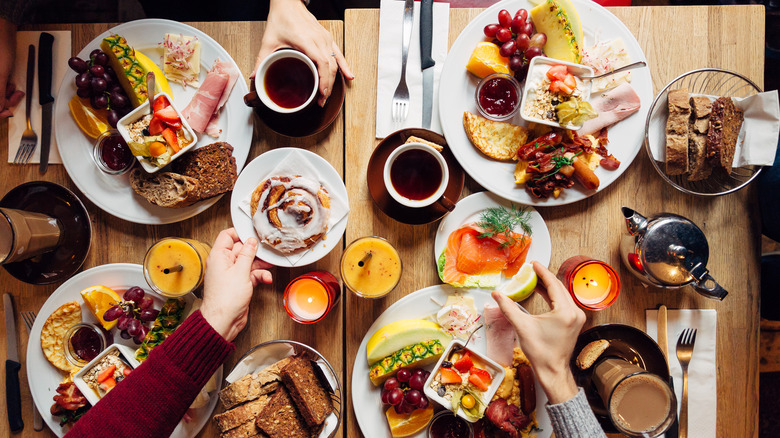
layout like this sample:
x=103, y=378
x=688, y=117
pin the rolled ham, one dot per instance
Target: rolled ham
x=202, y=113
x=500, y=336
x=613, y=106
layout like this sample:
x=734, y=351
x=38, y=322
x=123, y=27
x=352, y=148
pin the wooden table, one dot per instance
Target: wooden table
x=675, y=40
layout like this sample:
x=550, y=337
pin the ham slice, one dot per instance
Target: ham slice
x=202, y=113
x=613, y=106
x=500, y=336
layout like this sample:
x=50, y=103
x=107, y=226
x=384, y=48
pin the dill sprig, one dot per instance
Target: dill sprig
x=502, y=220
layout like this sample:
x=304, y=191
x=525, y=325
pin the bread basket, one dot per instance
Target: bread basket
x=705, y=81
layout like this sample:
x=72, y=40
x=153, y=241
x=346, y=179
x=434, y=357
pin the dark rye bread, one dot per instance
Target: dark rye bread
x=280, y=418
x=677, y=132
x=214, y=166
x=725, y=123
x=306, y=390
x=165, y=189
x=698, y=166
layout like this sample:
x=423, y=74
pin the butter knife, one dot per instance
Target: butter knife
x=426, y=61
x=45, y=98
x=13, y=397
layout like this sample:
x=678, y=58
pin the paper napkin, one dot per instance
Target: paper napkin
x=391, y=15
x=18, y=123
x=296, y=163
x=702, y=371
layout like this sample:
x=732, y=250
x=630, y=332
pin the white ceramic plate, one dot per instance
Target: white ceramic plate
x=113, y=193
x=625, y=138
x=247, y=183
x=366, y=398
x=43, y=378
x=468, y=210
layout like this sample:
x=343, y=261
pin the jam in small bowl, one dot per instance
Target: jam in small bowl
x=498, y=96
x=84, y=342
x=111, y=153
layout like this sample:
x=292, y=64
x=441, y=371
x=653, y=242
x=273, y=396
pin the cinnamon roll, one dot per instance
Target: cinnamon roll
x=290, y=213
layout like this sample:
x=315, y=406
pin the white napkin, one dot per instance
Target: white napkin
x=18, y=123
x=391, y=15
x=296, y=163
x=702, y=371
x=757, y=142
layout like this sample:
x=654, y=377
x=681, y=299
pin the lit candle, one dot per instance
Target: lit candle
x=591, y=283
x=309, y=297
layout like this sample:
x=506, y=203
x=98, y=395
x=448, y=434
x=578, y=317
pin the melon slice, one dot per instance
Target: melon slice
x=397, y=335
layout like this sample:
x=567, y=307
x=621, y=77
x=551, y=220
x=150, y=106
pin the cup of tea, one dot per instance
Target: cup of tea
x=286, y=82
x=24, y=234
x=639, y=403
x=416, y=175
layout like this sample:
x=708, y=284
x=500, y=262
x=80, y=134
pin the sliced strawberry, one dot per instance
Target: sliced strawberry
x=560, y=88
x=570, y=82
x=168, y=115
x=108, y=385
x=464, y=363
x=484, y=375
x=450, y=376
x=126, y=372
x=170, y=137
x=156, y=126
x=160, y=102
x=557, y=72
x=477, y=381
x=106, y=373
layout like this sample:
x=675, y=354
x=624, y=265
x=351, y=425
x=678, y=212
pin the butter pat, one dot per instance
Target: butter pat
x=181, y=59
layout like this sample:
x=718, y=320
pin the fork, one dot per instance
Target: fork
x=29, y=139
x=684, y=354
x=401, y=95
x=29, y=319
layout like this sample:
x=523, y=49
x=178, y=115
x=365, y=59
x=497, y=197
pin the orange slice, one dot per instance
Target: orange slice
x=406, y=425
x=486, y=60
x=93, y=122
x=98, y=299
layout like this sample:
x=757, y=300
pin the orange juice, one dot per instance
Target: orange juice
x=310, y=297
x=174, y=267
x=593, y=284
x=371, y=267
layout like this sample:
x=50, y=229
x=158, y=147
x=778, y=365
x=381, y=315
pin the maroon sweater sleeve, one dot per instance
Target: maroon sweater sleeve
x=153, y=398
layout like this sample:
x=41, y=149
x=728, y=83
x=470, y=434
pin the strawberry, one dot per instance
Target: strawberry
x=570, y=82
x=156, y=126
x=560, y=87
x=108, y=385
x=168, y=115
x=557, y=73
x=449, y=376
x=106, y=373
x=480, y=378
x=170, y=137
x=160, y=102
x=464, y=363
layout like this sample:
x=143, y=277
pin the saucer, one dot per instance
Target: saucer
x=308, y=121
x=376, y=183
x=60, y=203
x=625, y=342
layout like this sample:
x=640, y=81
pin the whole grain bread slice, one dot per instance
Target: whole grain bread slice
x=241, y=414
x=280, y=418
x=246, y=430
x=677, y=132
x=252, y=386
x=698, y=125
x=725, y=123
x=307, y=391
x=214, y=166
x=166, y=189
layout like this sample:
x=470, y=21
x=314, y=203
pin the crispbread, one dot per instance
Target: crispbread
x=499, y=140
x=242, y=414
x=280, y=419
x=591, y=352
x=252, y=386
x=307, y=392
x=677, y=132
x=53, y=333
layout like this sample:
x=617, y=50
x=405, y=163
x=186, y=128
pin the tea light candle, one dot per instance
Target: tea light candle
x=591, y=283
x=307, y=299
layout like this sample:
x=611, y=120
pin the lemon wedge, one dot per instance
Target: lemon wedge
x=521, y=285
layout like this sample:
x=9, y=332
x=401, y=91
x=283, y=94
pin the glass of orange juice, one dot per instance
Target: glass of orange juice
x=371, y=267
x=174, y=266
x=593, y=284
x=308, y=298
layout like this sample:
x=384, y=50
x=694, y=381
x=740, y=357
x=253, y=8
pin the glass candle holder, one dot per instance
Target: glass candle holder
x=593, y=284
x=310, y=297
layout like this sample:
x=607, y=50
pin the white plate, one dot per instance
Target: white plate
x=366, y=398
x=468, y=210
x=625, y=138
x=113, y=193
x=252, y=176
x=43, y=378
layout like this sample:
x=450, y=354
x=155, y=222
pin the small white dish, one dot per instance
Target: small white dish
x=537, y=72
x=495, y=370
x=127, y=355
x=123, y=127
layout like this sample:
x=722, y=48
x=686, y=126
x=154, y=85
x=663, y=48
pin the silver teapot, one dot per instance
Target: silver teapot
x=668, y=251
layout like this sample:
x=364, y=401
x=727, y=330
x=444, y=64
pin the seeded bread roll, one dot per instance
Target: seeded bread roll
x=165, y=189
x=677, y=132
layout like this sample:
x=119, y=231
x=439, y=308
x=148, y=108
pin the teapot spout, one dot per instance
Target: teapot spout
x=635, y=222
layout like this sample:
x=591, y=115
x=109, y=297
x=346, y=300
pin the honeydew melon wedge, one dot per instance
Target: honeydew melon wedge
x=399, y=334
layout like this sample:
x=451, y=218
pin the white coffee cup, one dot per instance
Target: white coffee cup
x=262, y=93
x=437, y=196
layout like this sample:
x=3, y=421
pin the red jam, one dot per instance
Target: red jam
x=499, y=97
x=86, y=343
x=449, y=426
x=115, y=152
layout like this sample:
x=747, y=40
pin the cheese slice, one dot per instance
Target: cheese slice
x=181, y=59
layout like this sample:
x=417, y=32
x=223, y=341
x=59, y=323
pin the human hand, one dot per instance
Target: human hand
x=232, y=272
x=548, y=339
x=290, y=24
x=9, y=95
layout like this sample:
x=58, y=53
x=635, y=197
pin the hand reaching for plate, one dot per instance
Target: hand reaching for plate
x=548, y=339
x=290, y=24
x=9, y=95
x=232, y=273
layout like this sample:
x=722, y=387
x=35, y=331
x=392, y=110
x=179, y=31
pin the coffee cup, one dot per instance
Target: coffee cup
x=286, y=82
x=24, y=234
x=416, y=175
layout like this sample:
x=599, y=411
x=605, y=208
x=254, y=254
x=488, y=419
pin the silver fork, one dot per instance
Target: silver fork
x=401, y=95
x=29, y=319
x=684, y=354
x=29, y=139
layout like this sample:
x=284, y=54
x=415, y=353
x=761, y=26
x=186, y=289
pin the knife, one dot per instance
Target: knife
x=13, y=398
x=663, y=343
x=45, y=98
x=426, y=62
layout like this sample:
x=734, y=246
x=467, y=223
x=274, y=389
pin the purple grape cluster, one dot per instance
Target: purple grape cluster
x=516, y=39
x=132, y=314
x=405, y=390
x=97, y=81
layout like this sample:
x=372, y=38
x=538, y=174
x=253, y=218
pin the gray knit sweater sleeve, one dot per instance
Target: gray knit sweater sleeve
x=574, y=419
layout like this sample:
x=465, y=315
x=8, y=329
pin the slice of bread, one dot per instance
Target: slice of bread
x=252, y=386
x=698, y=125
x=499, y=140
x=166, y=189
x=214, y=166
x=241, y=414
x=307, y=392
x=725, y=123
x=677, y=132
x=591, y=353
x=246, y=430
x=413, y=139
x=280, y=418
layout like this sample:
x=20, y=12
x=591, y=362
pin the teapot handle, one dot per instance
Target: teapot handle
x=707, y=286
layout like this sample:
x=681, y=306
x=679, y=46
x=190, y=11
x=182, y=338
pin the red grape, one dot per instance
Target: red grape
x=101, y=59
x=77, y=64
x=134, y=327
x=539, y=39
x=403, y=375
x=532, y=52
x=395, y=396
x=94, y=53
x=385, y=394
x=83, y=80
x=522, y=13
x=113, y=118
x=413, y=397
x=124, y=334
x=517, y=24
x=527, y=29
x=135, y=293
x=113, y=313
x=508, y=48
x=97, y=70
x=417, y=382
x=504, y=35
x=122, y=322
x=98, y=85
x=515, y=62
x=504, y=18
x=99, y=102
x=404, y=408
x=84, y=93
x=391, y=384
x=423, y=403
x=523, y=42
x=145, y=302
x=148, y=315
x=491, y=29
x=419, y=372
